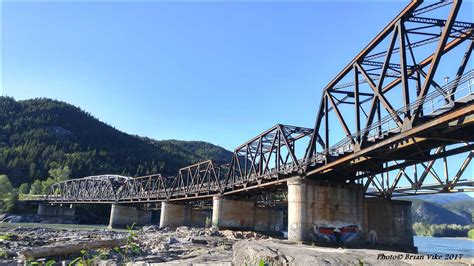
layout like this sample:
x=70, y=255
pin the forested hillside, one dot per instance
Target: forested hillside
x=41, y=135
x=432, y=213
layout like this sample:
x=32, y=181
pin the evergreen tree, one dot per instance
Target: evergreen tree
x=5, y=186
x=36, y=187
x=24, y=188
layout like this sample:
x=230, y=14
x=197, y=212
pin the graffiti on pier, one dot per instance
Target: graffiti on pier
x=340, y=234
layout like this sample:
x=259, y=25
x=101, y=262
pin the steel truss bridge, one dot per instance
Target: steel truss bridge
x=389, y=121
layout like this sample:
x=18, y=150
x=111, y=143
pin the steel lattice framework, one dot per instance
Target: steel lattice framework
x=387, y=111
x=197, y=179
x=422, y=178
x=270, y=155
x=409, y=74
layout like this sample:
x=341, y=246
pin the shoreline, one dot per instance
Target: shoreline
x=448, y=237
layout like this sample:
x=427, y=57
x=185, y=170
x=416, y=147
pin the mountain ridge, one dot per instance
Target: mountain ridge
x=441, y=198
x=39, y=134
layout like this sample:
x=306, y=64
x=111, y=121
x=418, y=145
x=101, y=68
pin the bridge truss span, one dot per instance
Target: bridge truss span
x=103, y=188
x=268, y=156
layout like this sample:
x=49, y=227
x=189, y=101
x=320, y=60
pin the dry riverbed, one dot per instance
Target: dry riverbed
x=147, y=245
x=181, y=246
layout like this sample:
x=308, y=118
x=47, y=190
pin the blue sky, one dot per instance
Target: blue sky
x=217, y=72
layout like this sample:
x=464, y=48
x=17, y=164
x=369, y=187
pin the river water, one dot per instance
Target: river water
x=445, y=245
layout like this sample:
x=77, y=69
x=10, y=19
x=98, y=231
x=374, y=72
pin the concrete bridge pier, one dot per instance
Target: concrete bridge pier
x=124, y=215
x=268, y=219
x=174, y=214
x=41, y=209
x=389, y=222
x=178, y=214
x=56, y=210
x=339, y=213
x=232, y=214
x=315, y=208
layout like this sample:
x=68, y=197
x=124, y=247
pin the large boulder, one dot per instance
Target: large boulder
x=283, y=252
x=277, y=252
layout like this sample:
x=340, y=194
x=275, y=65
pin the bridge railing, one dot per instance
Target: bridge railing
x=442, y=97
x=31, y=197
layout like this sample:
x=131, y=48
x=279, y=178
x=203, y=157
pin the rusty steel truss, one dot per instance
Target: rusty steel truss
x=390, y=109
x=270, y=155
x=391, y=88
x=423, y=177
x=197, y=179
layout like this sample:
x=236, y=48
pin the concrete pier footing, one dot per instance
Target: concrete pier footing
x=314, y=205
x=389, y=222
x=339, y=213
x=68, y=210
x=123, y=215
x=177, y=214
x=244, y=215
x=174, y=215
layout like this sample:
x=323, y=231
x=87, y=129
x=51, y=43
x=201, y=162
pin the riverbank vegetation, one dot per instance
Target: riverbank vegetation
x=470, y=234
x=443, y=230
x=8, y=195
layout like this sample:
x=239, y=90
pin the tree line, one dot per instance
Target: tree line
x=443, y=230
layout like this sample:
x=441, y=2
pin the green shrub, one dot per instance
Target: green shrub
x=470, y=234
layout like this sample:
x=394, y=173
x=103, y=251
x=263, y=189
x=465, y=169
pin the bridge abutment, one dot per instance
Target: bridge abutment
x=122, y=216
